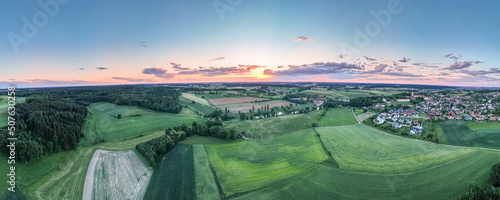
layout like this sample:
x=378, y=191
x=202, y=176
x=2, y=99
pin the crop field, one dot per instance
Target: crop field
x=364, y=149
x=233, y=100
x=112, y=128
x=363, y=116
x=253, y=164
x=274, y=126
x=209, y=96
x=458, y=133
x=196, y=139
x=445, y=181
x=116, y=175
x=245, y=107
x=193, y=97
x=206, y=188
x=174, y=176
x=205, y=109
x=326, y=93
x=337, y=117
x=483, y=125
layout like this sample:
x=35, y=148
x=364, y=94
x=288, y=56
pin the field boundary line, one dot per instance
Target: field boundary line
x=355, y=116
x=216, y=178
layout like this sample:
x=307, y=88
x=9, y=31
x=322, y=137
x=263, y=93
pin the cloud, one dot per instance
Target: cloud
x=478, y=73
x=315, y=69
x=402, y=74
x=459, y=65
x=370, y=59
x=158, y=72
x=405, y=59
x=219, y=58
x=217, y=71
x=131, y=79
x=177, y=67
x=303, y=39
x=101, y=68
x=451, y=56
x=81, y=68
x=380, y=68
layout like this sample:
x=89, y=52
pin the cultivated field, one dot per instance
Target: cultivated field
x=337, y=117
x=205, y=109
x=363, y=116
x=274, y=126
x=233, y=100
x=245, y=107
x=102, y=123
x=116, y=175
x=458, y=133
x=206, y=188
x=174, y=176
x=253, y=164
x=209, y=96
x=361, y=148
x=195, y=98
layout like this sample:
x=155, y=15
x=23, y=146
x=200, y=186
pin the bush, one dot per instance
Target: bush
x=495, y=175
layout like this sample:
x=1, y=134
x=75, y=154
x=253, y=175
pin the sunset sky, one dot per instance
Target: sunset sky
x=70, y=43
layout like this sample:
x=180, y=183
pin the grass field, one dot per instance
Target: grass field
x=364, y=149
x=174, y=176
x=483, y=125
x=205, y=109
x=326, y=93
x=245, y=107
x=363, y=116
x=458, y=133
x=352, y=94
x=446, y=181
x=253, y=164
x=206, y=188
x=274, y=126
x=4, y=106
x=103, y=123
x=209, y=96
x=196, y=139
x=235, y=100
x=337, y=117
x=193, y=97
x=116, y=175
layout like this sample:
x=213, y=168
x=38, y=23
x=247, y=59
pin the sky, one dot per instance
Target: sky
x=49, y=43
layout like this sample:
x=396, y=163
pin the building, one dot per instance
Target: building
x=319, y=101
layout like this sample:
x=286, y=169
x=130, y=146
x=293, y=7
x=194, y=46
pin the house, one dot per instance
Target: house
x=415, y=122
x=319, y=101
x=416, y=130
x=493, y=118
x=280, y=113
x=479, y=118
x=408, y=121
x=468, y=118
x=401, y=120
x=458, y=117
x=451, y=117
x=396, y=125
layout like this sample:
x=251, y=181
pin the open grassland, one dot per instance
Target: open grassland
x=364, y=149
x=274, y=126
x=114, y=110
x=116, y=175
x=196, y=139
x=3, y=108
x=205, y=109
x=245, y=107
x=192, y=97
x=173, y=177
x=483, y=125
x=363, y=116
x=337, y=117
x=206, y=188
x=252, y=164
x=458, y=133
x=352, y=94
x=445, y=181
x=232, y=100
x=325, y=93
x=438, y=131
x=209, y=96
x=111, y=128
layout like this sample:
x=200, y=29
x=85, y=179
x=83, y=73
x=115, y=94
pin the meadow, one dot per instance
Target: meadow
x=458, y=133
x=197, y=99
x=174, y=176
x=252, y=164
x=337, y=117
x=274, y=126
x=245, y=107
x=235, y=100
x=4, y=106
x=206, y=188
x=109, y=127
x=363, y=116
x=205, y=109
x=364, y=149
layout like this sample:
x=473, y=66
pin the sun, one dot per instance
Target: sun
x=259, y=74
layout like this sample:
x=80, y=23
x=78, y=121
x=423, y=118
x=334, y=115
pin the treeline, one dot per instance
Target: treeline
x=474, y=192
x=45, y=125
x=151, y=150
x=158, y=98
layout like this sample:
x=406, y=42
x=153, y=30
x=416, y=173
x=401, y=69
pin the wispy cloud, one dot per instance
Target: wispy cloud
x=217, y=71
x=370, y=59
x=81, y=68
x=177, y=67
x=134, y=80
x=303, y=39
x=459, y=65
x=404, y=60
x=101, y=68
x=219, y=58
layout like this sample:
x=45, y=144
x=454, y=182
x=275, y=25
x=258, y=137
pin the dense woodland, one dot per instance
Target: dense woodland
x=153, y=149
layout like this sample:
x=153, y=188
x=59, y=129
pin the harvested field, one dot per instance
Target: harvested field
x=116, y=175
x=231, y=100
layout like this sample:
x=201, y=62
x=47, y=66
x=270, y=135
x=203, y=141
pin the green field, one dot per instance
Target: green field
x=210, y=96
x=483, y=125
x=363, y=116
x=245, y=107
x=273, y=126
x=458, y=133
x=205, y=109
x=352, y=94
x=337, y=117
x=193, y=97
x=206, y=188
x=101, y=119
x=196, y=139
x=174, y=176
x=4, y=106
x=325, y=93
x=253, y=164
x=446, y=181
x=361, y=148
